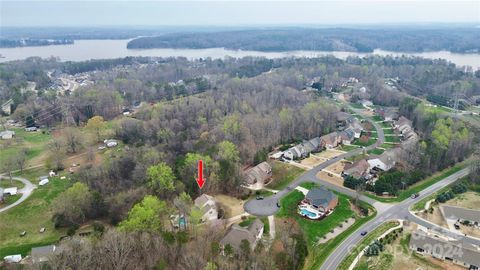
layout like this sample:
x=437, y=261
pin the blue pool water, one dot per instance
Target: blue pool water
x=308, y=213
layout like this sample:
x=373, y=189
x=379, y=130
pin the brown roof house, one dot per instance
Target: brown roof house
x=236, y=234
x=256, y=177
x=331, y=140
x=208, y=206
x=357, y=170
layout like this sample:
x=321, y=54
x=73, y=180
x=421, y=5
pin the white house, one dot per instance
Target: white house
x=208, y=206
x=10, y=191
x=384, y=162
x=7, y=134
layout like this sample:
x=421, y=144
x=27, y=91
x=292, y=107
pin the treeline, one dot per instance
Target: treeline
x=334, y=39
x=10, y=43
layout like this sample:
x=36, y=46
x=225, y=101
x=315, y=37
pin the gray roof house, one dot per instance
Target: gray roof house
x=42, y=254
x=257, y=176
x=384, y=162
x=208, y=207
x=236, y=234
x=460, y=213
x=461, y=253
x=348, y=135
x=321, y=198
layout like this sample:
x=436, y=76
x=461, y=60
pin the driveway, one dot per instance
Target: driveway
x=26, y=191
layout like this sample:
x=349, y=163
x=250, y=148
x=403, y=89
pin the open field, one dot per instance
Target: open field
x=388, y=131
x=30, y=216
x=35, y=144
x=376, y=151
x=370, y=141
x=283, y=174
x=468, y=199
x=232, y=206
x=347, y=148
x=403, y=194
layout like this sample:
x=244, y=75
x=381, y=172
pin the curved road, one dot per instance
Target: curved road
x=26, y=191
x=385, y=212
x=268, y=206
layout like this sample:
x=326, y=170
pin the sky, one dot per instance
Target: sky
x=234, y=13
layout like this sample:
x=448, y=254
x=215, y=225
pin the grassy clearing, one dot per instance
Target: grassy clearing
x=347, y=148
x=376, y=151
x=367, y=143
x=387, y=146
x=388, y=131
x=283, y=174
x=377, y=118
x=33, y=142
x=5, y=183
x=392, y=139
x=345, y=264
x=385, y=125
x=404, y=194
x=313, y=230
x=30, y=216
x=356, y=105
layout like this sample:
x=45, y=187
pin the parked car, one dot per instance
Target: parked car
x=102, y=148
x=363, y=233
x=278, y=204
x=23, y=233
x=414, y=196
x=259, y=197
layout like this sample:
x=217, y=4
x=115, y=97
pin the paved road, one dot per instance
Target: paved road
x=26, y=191
x=268, y=206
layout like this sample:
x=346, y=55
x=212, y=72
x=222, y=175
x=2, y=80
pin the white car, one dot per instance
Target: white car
x=101, y=148
x=112, y=144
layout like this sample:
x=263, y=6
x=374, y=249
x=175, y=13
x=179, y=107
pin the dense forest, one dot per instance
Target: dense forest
x=333, y=39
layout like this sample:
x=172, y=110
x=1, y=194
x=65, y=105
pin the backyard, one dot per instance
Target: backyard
x=34, y=144
x=314, y=230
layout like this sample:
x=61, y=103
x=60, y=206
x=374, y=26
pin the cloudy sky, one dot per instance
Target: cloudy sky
x=230, y=13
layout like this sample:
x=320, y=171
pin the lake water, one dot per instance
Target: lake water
x=83, y=50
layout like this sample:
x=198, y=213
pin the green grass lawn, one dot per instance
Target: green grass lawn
x=376, y=151
x=377, y=118
x=367, y=143
x=283, y=174
x=5, y=183
x=30, y=216
x=418, y=187
x=388, y=131
x=314, y=230
x=356, y=105
x=34, y=142
x=345, y=264
x=392, y=139
x=385, y=125
x=347, y=147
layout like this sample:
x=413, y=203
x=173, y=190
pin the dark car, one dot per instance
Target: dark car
x=363, y=233
x=414, y=196
x=259, y=197
x=278, y=204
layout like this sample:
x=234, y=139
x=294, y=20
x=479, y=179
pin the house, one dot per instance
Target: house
x=348, y=136
x=13, y=258
x=384, y=162
x=390, y=115
x=403, y=123
x=7, y=134
x=42, y=254
x=461, y=214
x=258, y=176
x=208, y=206
x=303, y=149
x=10, y=191
x=357, y=170
x=234, y=236
x=356, y=126
x=292, y=153
x=342, y=118
x=366, y=103
x=331, y=140
x=43, y=180
x=458, y=252
x=317, y=203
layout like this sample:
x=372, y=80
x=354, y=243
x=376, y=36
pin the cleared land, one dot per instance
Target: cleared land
x=312, y=161
x=30, y=216
x=232, y=206
x=336, y=168
x=34, y=143
x=283, y=174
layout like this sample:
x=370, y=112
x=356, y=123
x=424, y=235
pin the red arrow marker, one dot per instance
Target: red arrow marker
x=200, y=179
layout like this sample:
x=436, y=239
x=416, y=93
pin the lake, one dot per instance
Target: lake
x=83, y=50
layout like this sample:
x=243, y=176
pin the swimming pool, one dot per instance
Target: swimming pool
x=308, y=213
